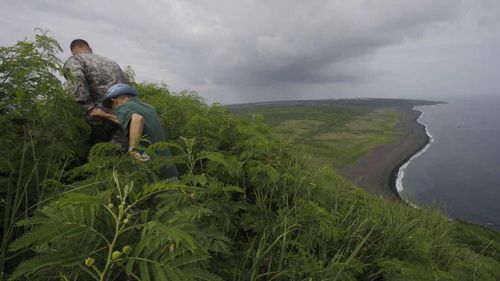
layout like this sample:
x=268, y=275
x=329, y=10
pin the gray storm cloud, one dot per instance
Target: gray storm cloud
x=299, y=42
x=237, y=45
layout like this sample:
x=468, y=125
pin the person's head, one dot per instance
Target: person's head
x=117, y=95
x=79, y=46
x=118, y=101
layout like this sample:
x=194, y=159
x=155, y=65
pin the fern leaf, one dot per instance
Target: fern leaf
x=160, y=186
x=183, y=261
x=201, y=274
x=32, y=221
x=178, y=235
x=230, y=163
x=80, y=198
x=129, y=267
x=45, y=233
x=231, y=188
x=144, y=271
x=159, y=273
x=176, y=274
x=40, y=262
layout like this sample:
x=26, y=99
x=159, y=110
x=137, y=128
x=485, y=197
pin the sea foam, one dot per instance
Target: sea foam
x=401, y=171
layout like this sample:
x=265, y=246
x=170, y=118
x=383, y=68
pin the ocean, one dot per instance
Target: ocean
x=459, y=170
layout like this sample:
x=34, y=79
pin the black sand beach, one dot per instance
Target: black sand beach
x=377, y=170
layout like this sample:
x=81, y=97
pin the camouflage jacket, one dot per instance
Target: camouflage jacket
x=92, y=77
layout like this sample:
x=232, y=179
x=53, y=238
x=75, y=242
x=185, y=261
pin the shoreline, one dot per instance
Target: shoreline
x=395, y=172
x=377, y=171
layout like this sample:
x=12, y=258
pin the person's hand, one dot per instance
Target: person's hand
x=138, y=155
x=97, y=112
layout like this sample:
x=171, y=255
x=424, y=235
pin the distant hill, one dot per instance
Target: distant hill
x=339, y=102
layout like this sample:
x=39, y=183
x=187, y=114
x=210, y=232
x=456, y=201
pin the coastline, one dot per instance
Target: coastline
x=398, y=173
x=395, y=174
x=377, y=171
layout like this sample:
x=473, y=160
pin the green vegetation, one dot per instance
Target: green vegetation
x=334, y=134
x=247, y=207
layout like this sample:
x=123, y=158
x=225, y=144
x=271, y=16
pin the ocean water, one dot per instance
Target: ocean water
x=459, y=171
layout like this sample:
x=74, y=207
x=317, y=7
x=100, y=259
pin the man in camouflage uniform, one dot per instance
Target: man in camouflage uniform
x=92, y=75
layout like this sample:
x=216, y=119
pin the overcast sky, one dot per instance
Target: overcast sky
x=233, y=51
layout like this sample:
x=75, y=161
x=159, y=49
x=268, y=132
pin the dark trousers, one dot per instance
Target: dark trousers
x=108, y=131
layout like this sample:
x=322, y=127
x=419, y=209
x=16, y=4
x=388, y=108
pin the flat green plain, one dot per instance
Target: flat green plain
x=334, y=135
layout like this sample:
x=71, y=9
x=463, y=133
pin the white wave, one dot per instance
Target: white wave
x=401, y=171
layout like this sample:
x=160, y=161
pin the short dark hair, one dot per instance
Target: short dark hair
x=78, y=43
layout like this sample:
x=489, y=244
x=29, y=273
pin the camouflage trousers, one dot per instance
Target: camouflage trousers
x=108, y=131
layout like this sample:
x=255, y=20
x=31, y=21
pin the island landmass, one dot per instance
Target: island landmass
x=373, y=166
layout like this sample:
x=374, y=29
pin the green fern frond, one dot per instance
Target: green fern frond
x=195, y=180
x=173, y=273
x=160, y=186
x=32, y=221
x=160, y=274
x=230, y=163
x=159, y=271
x=230, y=188
x=201, y=274
x=38, y=263
x=144, y=271
x=190, y=260
x=177, y=235
x=72, y=198
x=162, y=145
x=46, y=233
x=157, y=236
x=104, y=149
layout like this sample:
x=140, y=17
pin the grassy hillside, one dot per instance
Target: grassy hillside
x=248, y=206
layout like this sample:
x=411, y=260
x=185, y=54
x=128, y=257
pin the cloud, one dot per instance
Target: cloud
x=236, y=44
x=290, y=41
